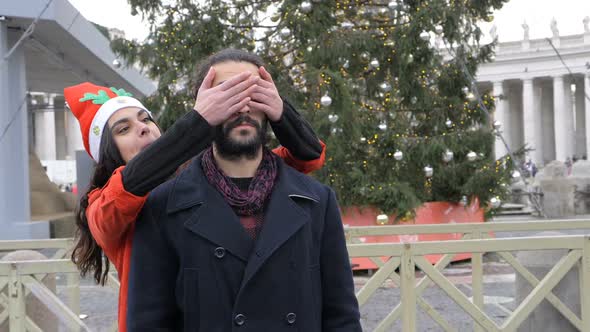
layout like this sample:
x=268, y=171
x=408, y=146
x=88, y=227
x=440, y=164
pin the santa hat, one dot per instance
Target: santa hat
x=93, y=105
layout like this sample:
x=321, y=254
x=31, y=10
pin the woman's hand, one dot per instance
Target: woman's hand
x=266, y=98
x=217, y=104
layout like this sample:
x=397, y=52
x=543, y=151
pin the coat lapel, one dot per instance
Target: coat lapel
x=213, y=218
x=283, y=218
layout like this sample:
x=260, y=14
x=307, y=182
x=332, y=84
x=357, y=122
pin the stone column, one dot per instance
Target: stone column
x=548, y=123
x=540, y=148
x=580, y=120
x=531, y=120
x=501, y=116
x=4, y=119
x=559, y=116
x=587, y=111
x=15, y=210
x=45, y=133
x=570, y=130
x=74, y=136
x=60, y=127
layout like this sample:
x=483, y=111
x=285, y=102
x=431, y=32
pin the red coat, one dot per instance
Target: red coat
x=112, y=212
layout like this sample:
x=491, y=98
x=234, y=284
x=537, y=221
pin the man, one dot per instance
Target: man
x=240, y=241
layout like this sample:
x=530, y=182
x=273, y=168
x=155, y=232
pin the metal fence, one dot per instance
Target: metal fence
x=20, y=279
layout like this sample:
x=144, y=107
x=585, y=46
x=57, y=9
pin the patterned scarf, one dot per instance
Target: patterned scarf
x=244, y=203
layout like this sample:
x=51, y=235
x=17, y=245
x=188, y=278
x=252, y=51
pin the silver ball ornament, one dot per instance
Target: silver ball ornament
x=305, y=7
x=398, y=155
x=285, y=32
x=464, y=201
x=333, y=118
x=516, y=175
x=117, y=63
x=326, y=100
x=471, y=156
x=206, y=18
x=428, y=171
x=385, y=87
x=382, y=219
x=425, y=36
x=365, y=56
x=374, y=63
x=447, y=156
x=495, y=202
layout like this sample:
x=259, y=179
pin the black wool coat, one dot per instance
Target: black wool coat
x=194, y=268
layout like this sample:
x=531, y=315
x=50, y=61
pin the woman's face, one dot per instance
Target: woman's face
x=133, y=130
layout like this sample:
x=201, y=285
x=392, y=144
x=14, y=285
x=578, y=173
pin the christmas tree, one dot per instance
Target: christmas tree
x=387, y=85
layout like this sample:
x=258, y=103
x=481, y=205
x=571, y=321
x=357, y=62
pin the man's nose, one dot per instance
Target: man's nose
x=245, y=109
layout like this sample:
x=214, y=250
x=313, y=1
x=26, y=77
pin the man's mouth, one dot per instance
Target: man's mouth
x=244, y=124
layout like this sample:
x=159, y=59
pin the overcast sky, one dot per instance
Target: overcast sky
x=537, y=13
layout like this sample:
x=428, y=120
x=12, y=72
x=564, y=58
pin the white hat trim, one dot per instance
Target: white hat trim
x=102, y=117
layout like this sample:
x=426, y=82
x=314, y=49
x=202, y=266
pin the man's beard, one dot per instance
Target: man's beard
x=230, y=149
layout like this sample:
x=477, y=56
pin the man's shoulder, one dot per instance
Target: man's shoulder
x=311, y=184
x=180, y=185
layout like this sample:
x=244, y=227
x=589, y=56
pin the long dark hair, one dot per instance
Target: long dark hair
x=225, y=55
x=87, y=254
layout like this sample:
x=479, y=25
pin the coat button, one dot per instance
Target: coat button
x=291, y=317
x=240, y=319
x=219, y=252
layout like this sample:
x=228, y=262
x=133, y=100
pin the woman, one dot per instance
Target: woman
x=132, y=159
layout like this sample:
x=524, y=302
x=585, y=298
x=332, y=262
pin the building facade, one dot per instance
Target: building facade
x=542, y=91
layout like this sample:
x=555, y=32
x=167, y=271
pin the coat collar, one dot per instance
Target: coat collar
x=215, y=220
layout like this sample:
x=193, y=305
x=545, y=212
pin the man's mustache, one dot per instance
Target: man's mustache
x=242, y=118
